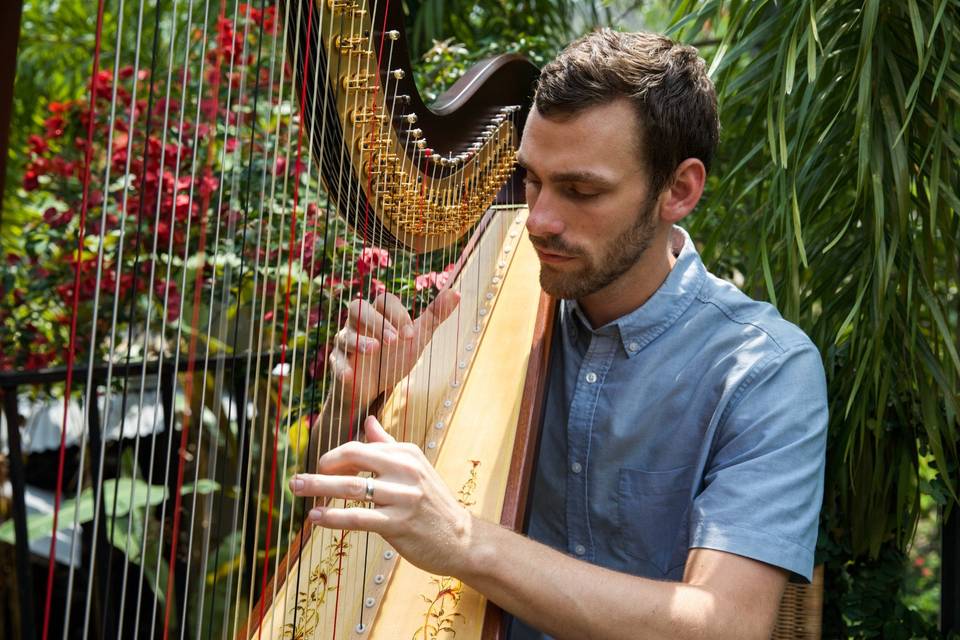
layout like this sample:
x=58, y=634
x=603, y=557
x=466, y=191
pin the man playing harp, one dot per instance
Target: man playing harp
x=680, y=472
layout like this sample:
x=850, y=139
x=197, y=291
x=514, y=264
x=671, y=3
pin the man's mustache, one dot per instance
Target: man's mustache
x=553, y=244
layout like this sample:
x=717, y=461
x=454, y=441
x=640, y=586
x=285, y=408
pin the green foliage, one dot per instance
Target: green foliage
x=922, y=580
x=448, y=36
x=840, y=154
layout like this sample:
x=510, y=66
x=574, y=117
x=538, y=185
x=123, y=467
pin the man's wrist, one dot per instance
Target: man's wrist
x=479, y=553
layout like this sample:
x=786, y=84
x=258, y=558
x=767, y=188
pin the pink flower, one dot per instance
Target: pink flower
x=371, y=259
x=443, y=279
x=425, y=280
x=377, y=287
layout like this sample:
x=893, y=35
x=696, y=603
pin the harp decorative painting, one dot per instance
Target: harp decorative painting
x=244, y=172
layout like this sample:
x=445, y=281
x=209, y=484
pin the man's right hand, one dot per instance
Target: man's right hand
x=384, y=326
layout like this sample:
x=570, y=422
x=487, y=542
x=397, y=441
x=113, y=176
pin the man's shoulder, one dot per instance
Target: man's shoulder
x=759, y=324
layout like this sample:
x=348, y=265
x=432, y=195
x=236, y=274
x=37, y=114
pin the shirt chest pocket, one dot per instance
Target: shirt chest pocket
x=653, y=510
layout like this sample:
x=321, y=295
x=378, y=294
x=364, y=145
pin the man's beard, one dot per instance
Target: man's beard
x=613, y=260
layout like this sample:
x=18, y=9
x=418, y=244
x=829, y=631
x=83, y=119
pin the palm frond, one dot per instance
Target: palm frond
x=841, y=131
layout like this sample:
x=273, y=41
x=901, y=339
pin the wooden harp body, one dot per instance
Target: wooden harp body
x=480, y=406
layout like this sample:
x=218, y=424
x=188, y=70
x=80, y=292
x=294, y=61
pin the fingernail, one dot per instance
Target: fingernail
x=390, y=335
x=316, y=514
x=408, y=332
x=363, y=346
x=296, y=484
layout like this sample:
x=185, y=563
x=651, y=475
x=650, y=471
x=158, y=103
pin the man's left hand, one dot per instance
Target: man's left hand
x=412, y=507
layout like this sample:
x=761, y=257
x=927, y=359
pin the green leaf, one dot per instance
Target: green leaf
x=129, y=494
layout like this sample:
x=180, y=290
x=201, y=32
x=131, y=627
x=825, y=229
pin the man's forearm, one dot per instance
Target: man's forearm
x=569, y=598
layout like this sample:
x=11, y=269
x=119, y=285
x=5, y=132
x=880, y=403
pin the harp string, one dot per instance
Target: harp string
x=261, y=314
x=330, y=282
x=89, y=390
x=292, y=366
x=241, y=410
x=204, y=200
x=246, y=452
x=354, y=211
x=374, y=109
x=319, y=322
x=131, y=308
x=168, y=419
x=264, y=431
x=218, y=395
x=286, y=315
x=188, y=385
x=306, y=262
x=72, y=347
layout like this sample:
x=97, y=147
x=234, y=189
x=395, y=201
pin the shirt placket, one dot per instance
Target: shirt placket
x=593, y=370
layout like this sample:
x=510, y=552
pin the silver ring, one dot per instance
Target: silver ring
x=368, y=495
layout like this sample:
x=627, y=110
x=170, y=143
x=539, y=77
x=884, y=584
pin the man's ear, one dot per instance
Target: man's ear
x=684, y=190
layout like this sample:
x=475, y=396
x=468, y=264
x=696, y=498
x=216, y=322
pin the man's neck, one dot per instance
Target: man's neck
x=637, y=285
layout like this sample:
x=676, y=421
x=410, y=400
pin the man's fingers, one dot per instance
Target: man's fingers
x=347, y=341
x=395, y=313
x=347, y=488
x=436, y=312
x=375, y=431
x=350, y=518
x=342, y=366
x=370, y=322
x=355, y=457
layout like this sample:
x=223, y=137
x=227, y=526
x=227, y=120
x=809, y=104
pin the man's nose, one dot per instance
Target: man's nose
x=543, y=220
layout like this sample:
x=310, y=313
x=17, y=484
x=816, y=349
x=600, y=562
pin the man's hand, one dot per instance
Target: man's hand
x=414, y=510
x=357, y=361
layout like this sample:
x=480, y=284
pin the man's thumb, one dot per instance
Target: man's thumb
x=375, y=431
x=441, y=307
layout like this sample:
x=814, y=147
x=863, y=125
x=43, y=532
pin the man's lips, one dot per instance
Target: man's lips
x=553, y=258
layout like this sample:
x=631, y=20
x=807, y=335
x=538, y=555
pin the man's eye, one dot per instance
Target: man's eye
x=576, y=194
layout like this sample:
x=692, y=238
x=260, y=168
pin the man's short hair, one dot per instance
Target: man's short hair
x=666, y=82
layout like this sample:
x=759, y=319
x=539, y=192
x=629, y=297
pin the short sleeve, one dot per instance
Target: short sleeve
x=763, y=484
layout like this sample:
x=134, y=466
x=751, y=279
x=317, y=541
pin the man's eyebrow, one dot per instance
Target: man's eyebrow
x=572, y=176
x=581, y=176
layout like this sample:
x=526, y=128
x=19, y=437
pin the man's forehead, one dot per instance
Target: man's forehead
x=598, y=140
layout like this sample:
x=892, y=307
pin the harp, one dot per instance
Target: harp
x=244, y=171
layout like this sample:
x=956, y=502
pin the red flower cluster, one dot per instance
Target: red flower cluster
x=267, y=17
x=146, y=188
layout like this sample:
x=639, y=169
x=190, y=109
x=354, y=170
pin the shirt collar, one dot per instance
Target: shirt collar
x=644, y=324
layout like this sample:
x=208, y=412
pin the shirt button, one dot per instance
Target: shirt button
x=591, y=377
x=579, y=549
x=576, y=468
x=633, y=347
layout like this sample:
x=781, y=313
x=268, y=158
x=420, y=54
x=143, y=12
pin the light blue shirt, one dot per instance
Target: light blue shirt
x=697, y=420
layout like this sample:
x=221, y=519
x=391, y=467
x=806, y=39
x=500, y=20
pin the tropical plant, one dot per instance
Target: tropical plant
x=840, y=155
